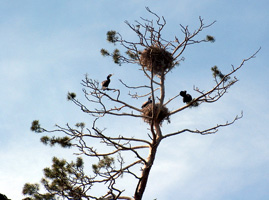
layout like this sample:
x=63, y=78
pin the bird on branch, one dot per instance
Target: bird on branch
x=106, y=82
x=186, y=97
x=149, y=101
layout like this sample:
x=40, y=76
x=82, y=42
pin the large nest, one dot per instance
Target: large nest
x=147, y=113
x=156, y=60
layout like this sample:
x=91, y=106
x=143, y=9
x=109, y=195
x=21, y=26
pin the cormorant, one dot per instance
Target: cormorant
x=149, y=101
x=186, y=97
x=106, y=82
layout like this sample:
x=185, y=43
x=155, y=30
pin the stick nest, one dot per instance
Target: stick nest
x=156, y=60
x=163, y=114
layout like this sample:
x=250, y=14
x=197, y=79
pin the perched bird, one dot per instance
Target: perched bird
x=106, y=82
x=186, y=97
x=149, y=101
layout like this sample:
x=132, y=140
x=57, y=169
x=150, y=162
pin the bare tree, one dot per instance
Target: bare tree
x=156, y=57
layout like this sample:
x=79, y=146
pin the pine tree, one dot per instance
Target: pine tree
x=3, y=197
x=156, y=57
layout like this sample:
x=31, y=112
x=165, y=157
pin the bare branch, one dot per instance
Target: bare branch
x=103, y=101
x=211, y=130
x=132, y=87
x=220, y=88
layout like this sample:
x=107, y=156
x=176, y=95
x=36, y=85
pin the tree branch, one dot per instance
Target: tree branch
x=211, y=130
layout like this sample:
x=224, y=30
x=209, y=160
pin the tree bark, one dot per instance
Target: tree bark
x=140, y=189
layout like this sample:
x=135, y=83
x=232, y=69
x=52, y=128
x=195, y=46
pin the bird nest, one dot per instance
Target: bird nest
x=156, y=60
x=162, y=115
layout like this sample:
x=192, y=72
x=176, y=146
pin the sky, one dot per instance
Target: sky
x=48, y=46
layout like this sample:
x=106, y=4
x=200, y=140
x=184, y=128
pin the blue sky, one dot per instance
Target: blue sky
x=48, y=46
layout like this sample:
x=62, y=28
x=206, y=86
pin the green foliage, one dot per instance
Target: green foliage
x=59, y=180
x=3, y=197
x=63, y=141
x=80, y=125
x=116, y=56
x=30, y=189
x=112, y=36
x=36, y=127
x=79, y=162
x=210, y=38
x=218, y=73
x=33, y=191
x=104, y=52
x=71, y=96
x=105, y=163
x=132, y=55
x=45, y=140
x=215, y=71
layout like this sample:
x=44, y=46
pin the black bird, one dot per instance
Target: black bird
x=106, y=82
x=186, y=97
x=149, y=101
